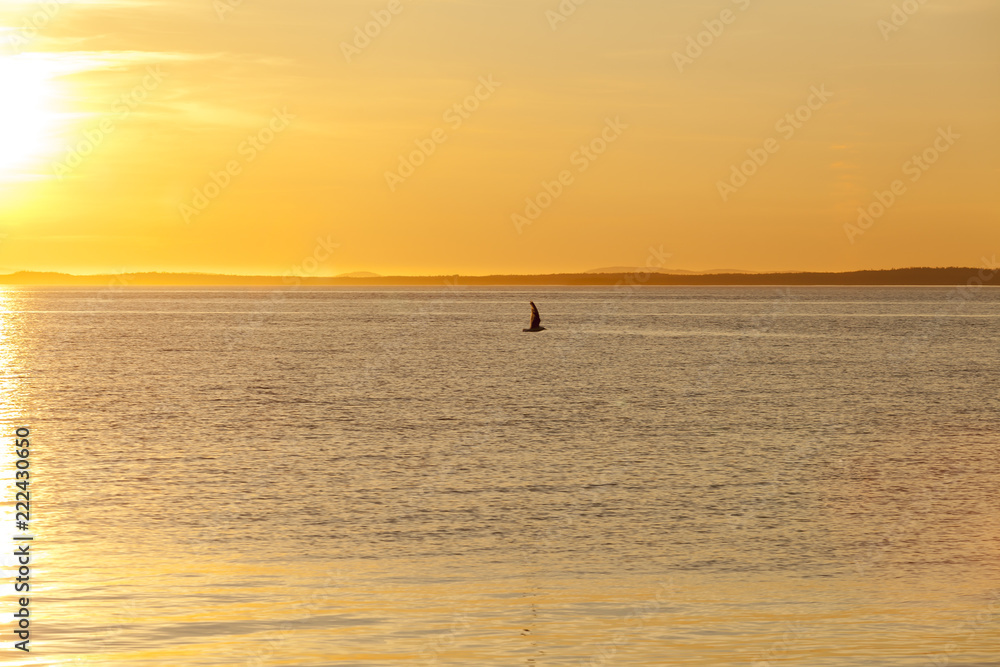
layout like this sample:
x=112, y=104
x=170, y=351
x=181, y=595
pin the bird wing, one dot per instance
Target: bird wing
x=536, y=320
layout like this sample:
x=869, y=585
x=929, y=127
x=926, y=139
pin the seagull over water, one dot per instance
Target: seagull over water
x=536, y=320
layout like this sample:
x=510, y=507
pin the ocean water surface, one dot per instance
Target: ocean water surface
x=666, y=476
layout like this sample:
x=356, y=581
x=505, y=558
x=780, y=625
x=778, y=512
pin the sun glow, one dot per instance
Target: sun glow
x=27, y=116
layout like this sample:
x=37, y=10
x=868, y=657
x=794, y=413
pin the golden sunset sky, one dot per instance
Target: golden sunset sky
x=116, y=114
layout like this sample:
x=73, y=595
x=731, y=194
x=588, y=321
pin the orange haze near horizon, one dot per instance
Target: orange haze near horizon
x=501, y=136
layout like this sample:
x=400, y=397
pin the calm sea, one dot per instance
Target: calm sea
x=667, y=476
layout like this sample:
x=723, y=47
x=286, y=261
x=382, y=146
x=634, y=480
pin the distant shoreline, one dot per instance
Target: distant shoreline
x=921, y=276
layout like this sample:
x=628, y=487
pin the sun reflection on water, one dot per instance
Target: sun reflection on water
x=8, y=377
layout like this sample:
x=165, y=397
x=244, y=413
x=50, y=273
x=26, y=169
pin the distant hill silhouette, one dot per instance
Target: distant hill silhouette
x=677, y=272
x=909, y=276
x=359, y=274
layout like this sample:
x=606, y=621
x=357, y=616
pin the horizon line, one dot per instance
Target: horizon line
x=952, y=275
x=372, y=274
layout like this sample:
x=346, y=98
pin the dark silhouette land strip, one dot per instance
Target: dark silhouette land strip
x=909, y=276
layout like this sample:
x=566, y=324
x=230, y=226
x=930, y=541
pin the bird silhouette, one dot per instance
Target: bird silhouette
x=536, y=320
